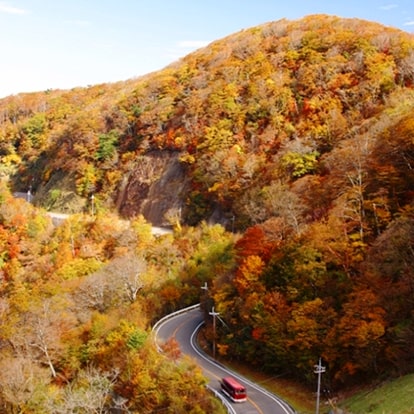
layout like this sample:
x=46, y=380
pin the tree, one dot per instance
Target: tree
x=22, y=384
x=359, y=333
x=107, y=145
x=248, y=274
x=281, y=202
x=90, y=392
x=310, y=323
x=299, y=164
x=349, y=166
x=34, y=129
x=310, y=275
x=256, y=242
x=129, y=270
x=44, y=328
x=92, y=293
x=118, y=281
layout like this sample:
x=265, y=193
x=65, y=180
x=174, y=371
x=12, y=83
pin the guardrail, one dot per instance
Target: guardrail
x=223, y=400
x=157, y=324
x=155, y=329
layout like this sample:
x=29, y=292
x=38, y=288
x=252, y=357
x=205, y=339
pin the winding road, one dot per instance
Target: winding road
x=183, y=326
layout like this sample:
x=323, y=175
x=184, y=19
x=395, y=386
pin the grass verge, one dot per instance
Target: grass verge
x=393, y=397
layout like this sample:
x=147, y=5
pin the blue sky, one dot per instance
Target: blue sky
x=60, y=44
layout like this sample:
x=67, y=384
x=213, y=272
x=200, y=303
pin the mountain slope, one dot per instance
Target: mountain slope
x=298, y=134
x=269, y=103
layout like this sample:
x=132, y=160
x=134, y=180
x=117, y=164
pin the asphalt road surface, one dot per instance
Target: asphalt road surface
x=183, y=327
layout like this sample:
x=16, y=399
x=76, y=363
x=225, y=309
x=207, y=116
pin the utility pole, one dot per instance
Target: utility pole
x=93, y=205
x=204, y=298
x=319, y=369
x=214, y=314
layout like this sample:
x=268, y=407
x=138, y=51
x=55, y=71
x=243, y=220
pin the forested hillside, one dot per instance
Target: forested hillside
x=272, y=105
x=297, y=136
x=77, y=303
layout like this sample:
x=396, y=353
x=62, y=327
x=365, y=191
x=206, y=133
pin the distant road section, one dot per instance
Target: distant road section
x=58, y=218
x=27, y=196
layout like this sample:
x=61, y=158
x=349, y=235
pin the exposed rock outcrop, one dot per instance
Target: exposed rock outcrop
x=156, y=186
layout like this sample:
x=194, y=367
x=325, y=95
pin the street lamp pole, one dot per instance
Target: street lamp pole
x=214, y=314
x=319, y=369
x=29, y=194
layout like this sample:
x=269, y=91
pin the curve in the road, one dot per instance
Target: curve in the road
x=286, y=409
x=184, y=325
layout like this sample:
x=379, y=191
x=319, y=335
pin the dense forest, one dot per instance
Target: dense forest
x=285, y=156
x=77, y=304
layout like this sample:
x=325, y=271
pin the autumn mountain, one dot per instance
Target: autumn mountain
x=299, y=135
x=275, y=103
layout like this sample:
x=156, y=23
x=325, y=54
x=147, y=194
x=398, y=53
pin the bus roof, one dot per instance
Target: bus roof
x=233, y=383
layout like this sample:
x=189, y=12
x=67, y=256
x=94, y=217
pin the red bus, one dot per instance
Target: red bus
x=235, y=391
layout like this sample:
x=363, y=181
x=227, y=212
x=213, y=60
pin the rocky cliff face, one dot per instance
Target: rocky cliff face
x=156, y=187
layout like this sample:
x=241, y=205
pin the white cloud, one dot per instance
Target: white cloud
x=7, y=8
x=389, y=6
x=410, y=23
